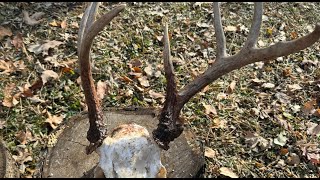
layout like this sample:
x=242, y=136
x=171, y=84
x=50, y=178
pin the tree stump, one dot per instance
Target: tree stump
x=8, y=168
x=67, y=158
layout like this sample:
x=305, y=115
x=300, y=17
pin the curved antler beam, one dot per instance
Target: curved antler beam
x=88, y=30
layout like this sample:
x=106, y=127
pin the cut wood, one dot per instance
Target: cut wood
x=68, y=157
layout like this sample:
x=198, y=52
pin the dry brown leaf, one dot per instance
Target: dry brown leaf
x=2, y=124
x=126, y=79
x=43, y=48
x=210, y=153
x=294, y=35
x=268, y=85
x=75, y=25
x=135, y=63
x=137, y=70
x=54, y=120
x=31, y=20
x=284, y=151
x=17, y=41
x=313, y=128
x=144, y=81
x=155, y=95
x=228, y=172
x=9, y=100
x=148, y=70
x=308, y=107
x=23, y=136
x=6, y=67
x=54, y=23
x=101, y=89
x=293, y=159
x=48, y=74
x=63, y=24
x=231, y=87
x=5, y=32
x=209, y=109
x=230, y=28
x=294, y=87
x=221, y=96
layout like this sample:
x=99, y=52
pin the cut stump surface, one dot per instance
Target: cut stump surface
x=67, y=158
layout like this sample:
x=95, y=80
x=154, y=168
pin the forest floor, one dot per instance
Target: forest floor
x=259, y=121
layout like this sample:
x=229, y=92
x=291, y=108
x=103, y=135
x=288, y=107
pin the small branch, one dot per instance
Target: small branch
x=221, y=39
x=255, y=27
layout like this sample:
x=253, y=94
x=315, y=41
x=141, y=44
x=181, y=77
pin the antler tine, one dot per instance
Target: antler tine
x=220, y=37
x=169, y=126
x=87, y=19
x=89, y=28
x=255, y=27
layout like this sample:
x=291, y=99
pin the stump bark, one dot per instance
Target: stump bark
x=67, y=158
x=8, y=168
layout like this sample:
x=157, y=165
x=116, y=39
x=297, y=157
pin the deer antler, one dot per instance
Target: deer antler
x=89, y=28
x=170, y=126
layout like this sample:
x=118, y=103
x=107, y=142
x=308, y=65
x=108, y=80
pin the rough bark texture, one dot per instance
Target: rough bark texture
x=185, y=158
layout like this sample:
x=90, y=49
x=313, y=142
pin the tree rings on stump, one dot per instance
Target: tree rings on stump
x=8, y=168
x=67, y=158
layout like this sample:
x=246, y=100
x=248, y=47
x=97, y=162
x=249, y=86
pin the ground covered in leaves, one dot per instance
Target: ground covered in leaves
x=259, y=121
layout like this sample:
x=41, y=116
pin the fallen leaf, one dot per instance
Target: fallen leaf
x=54, y=23
x=210, y=153
x=9, y=100
x=227, y=172
x=126, y=79
x=137, y=69
x=294, y=87
x=230, y=29
x=48, y=74
x=63, y=24
x=155, y=95
x=6, y=67
x=17, y=41
x=54, y=120
x=293, y=159
x=31, y=20
x=268, y=85
x=294, y=35
x=3, y=124
x=5, y=32
x=209, y=109
x=36, y=99
x=308, y=107
x=75, y=25
x=101, y=89
x=43, y=48
x=221, y=96
x=284, y=151
x=217, y=123
x=144, y=81
x=281, y=140
x=231, y=87
x=313, y=128
x=23, y=136
x=269, y=32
